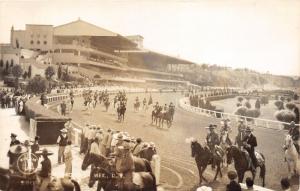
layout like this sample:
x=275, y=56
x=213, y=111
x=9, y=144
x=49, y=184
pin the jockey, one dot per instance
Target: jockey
x=137, y=99
x=225, y=125
x=165, y=108
x=249, y=144
x=125, y=165
x=212, y=140
x=294, y=132
x=156, y=106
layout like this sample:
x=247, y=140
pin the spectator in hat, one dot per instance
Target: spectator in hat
x=91, y=135
x=84, y=139
x=68, y=159
x=45, y=172
x=95, y=146
x=285, y=184
x=137, y=147
x=249, y=144
x=249, y=184
x=35, y=146
x=62, y=143
x=63, y=107
x=295, y=134
x=212, y=140
x=233, y=185
x=69, y=128
x=13, y=142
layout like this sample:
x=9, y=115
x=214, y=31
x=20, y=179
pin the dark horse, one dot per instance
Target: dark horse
x=155, y=114
x=241, y=164
x=121, y=112
x=165, y=116
x=204, y=157
x=13, y=182
x=110, y=179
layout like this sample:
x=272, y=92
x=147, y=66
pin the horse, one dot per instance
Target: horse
x=203, y=158
x=110, y=179
x=17, y=182
x=136, y=106
x=291, y=155
x=121, y=112
x=154, y=115
x=165, y=116
x=241, y=163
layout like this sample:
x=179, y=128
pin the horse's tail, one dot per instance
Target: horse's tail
x=148, y=166
x=76, y=185
x=154, y=182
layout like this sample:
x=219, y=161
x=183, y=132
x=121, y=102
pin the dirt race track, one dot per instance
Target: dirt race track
x=178, y=170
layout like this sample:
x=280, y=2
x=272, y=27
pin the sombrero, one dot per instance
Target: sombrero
x=18, y=149
x=44, y=152
x=13, y=135
x=211, y=126
x=63, y=130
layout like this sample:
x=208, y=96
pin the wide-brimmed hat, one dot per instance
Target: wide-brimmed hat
x=211, y=126
x=138, y=140
x=120, y=136
x=204, y=188
x=13, y=135
x=232, y=175
x=18, y=149
x=63, y=130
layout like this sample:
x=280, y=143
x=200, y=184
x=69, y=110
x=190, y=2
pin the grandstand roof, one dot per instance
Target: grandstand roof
x=81, y=28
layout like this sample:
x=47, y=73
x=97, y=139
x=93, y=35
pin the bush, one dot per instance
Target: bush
x=96, y=76
x=238, y=104
x=240, y=99
x=37, y=85
x=253, y=113
x=241, y=111
x=290, y=106
x=264, y=100
x=279, y=104
x=247, y=104
x=285, y=116
x=296, y=97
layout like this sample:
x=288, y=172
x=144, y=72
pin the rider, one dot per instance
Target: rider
x=249, y=144
x=156, y=106
x=165, y=108
x=294, y=132
x=212, y=140
x=14, y=141
x=226, y=128
x=125, y=165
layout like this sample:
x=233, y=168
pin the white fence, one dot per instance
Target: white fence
x=258, y=122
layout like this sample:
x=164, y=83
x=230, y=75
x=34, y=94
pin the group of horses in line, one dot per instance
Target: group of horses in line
x=229, y=152
x=159, y=116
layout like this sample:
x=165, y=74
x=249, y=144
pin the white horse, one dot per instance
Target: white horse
x=291, y=155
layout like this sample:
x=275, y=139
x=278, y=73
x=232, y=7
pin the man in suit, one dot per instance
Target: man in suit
x=249, y=144
x=212, y=140
x=14, y=141
x=233, y=185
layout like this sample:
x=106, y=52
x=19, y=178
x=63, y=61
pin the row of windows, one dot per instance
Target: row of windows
x=38, y=42
x=38, y=35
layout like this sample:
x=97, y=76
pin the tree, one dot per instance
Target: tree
x=25, y=75
x=11, y=63
x=29, y=71
x=49, y=72
x=37, y=85
x=1, y=63
x=6, y=66
x=59, y=72
x=17, y=72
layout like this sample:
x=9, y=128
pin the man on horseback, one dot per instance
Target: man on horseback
x=226, y=129
x=240, y=136
x=294, y=132
x=125, y=165
x=212, y=140
x=249, y=144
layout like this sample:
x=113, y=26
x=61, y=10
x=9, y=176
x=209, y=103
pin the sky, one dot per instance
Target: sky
x=263, y=35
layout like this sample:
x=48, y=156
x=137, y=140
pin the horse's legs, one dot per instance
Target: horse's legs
x=240, y=176
x=203, y=169
x=253, y=174
x=99, y=186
